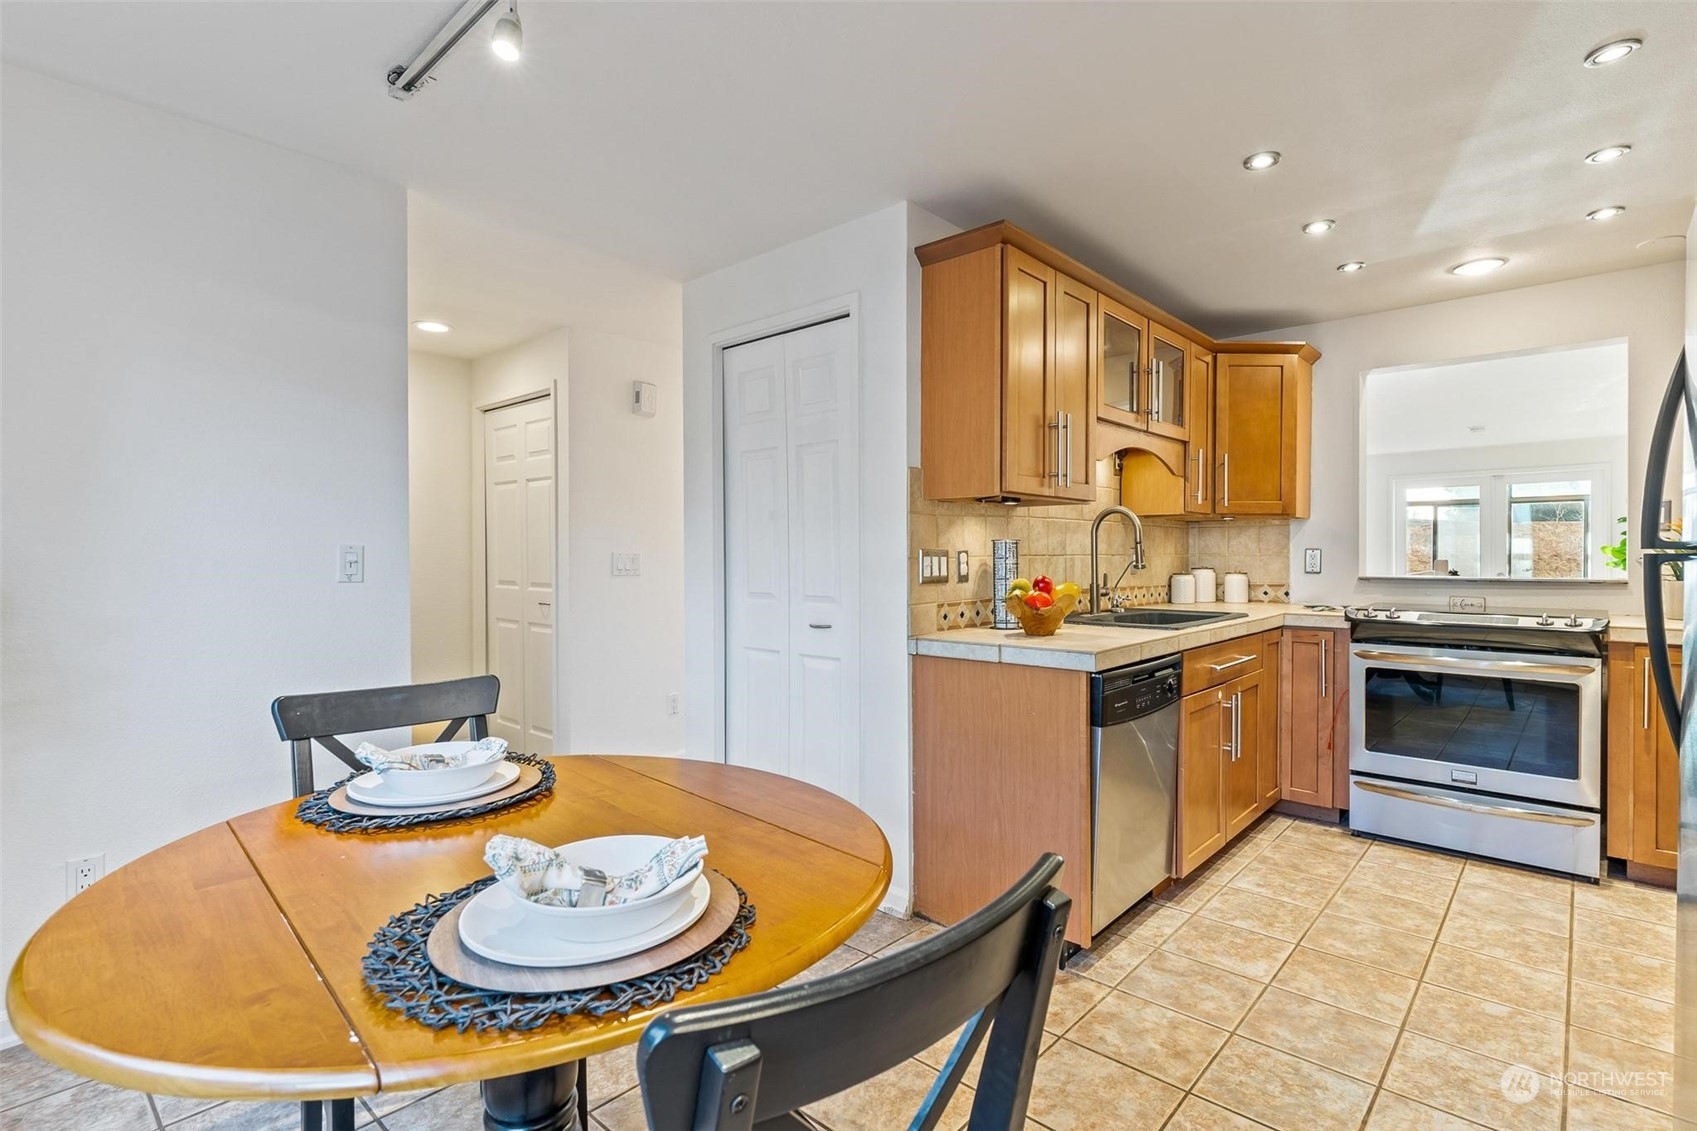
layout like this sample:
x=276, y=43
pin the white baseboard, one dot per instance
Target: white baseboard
x=898, y=902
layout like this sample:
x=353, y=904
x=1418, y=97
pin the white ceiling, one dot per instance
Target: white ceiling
x=682, y=137
x=1578, y=393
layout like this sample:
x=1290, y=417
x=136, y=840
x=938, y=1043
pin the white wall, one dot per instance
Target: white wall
x=439, y=483
x=204, y=380
x=1645, y=306
x=868, y=262
x=619, y=644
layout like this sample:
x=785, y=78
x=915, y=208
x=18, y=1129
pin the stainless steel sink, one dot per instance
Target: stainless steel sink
x=1153, y=618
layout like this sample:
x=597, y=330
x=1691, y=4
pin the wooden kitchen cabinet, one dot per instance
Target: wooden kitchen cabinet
x=1122, y=395
x=1244, y=802
x=1169, y=376
x=1201, y=815
x=1272, y=682
x=1313, y=671
x=1262, y=423
x=1008, y=353
x=1642, y=786
x=1225, y=746
x=1199, y=470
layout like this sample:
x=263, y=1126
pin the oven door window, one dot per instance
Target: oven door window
x=1519, y=725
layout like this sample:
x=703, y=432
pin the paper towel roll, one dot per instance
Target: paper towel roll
x=1181, y=589
x=1237, y=588
x=1205, y=590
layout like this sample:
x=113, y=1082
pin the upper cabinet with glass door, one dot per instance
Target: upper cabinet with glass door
x=1168, y=370
x=1122, y=391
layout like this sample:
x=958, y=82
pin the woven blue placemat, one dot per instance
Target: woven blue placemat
x=315, y=808
x=398, y=968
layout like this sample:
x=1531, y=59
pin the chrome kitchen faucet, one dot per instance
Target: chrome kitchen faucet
x=1099, y=587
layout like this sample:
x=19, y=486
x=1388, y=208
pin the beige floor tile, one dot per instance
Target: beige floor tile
x=1188, y=895
x=1518, y=881
x=1488, y=1027
x=1283, y=1091
x=1204, y=992
x=835, y=962
x=1421, y=887
x=1414, y=859
x=1635, y=901
x=460, y=1108
x=1257, y=912
x=1354, y=1045
x=1636, y=1073
x=1369, y=905
x=1304, y=860
x=1110, y=959
x=918, y=935
x=1281, y=883
x=1149, y=1037
x=1504, y=940
x=1527, y=914
x=1079, y=1090
x=1369, y=943
x=1151, y=922
x=1620, y=1014
x=1324, y=838
x=938, y=1054
x=1366, y=990
x=889, y=1100
x=1249, y=953
x=1469, y=1085
x=173, y=1109
x=1392, y=1112
x=611, y=1074
x=1071, y=998
x=1197, y=1114
x=1496, y=979
x=1599, y=929
x=86, y=1107
x=1634, y=973
x=1592, y=1111
x=25, y=1077
x=880, y=931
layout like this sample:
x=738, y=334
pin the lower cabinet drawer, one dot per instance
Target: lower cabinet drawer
x=1214, y=664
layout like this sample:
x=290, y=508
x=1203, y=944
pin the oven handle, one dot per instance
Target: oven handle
x=1504, y=668
x=1470, y=807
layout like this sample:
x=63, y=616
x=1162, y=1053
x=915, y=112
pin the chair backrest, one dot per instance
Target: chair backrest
x=322, y=716
x=728, y=1065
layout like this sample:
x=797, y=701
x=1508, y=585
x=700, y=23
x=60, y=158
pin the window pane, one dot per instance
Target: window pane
x=1549, y=538
x=1578, y=487
x=1442, y=494
x=1443, y=535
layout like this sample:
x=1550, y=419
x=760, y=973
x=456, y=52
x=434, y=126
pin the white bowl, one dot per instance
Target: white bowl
x=614, y=855
x=443, y=779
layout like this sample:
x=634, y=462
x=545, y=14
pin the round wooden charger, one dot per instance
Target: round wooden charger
x=341, y=802
x=450, y=956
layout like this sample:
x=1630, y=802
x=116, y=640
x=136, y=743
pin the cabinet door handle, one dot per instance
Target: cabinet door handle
x=1066, y=463
x=1230, y=663
x=1056, y=426
x=1230, y=728
x=1225, y=480
x=1646, y=681
x=1237, y=726
x=1156, y=407
x=1325, y=665
x=1199, y=473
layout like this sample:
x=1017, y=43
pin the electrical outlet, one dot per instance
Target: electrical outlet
x=352, y=564
x=672, y=703
x=962, y=571
x=1467, y=604
x=81, y=873
x=1311, y=560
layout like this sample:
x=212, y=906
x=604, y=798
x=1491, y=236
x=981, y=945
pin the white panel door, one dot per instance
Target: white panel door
x=518, y=476
x=791, y=542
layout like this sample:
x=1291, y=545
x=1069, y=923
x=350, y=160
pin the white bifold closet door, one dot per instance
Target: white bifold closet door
x=792, y=535
x=518, y=522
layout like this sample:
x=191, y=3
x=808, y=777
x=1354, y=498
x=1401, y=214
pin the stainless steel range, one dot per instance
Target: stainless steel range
x=1479, y=733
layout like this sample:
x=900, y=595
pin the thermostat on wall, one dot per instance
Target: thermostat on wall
x=645, y=398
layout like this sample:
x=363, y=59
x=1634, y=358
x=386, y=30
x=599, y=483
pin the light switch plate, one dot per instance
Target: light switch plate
x=351, y=565
x=1311, y=560
x=933, y=567
x=627, y=565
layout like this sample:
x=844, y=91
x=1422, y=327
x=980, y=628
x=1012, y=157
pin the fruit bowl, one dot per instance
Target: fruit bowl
x=1040, y=622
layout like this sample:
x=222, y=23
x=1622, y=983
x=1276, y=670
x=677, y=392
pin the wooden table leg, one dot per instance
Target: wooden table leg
x=541, y=1100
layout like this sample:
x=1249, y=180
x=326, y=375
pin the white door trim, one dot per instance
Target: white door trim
x=479, y=658
x=793, y=319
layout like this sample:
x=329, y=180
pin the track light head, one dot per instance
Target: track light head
x=507, y=38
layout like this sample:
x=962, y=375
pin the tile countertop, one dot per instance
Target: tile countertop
x=1093, y=648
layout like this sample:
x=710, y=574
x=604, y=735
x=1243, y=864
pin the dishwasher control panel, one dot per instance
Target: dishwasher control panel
x=1122, y=694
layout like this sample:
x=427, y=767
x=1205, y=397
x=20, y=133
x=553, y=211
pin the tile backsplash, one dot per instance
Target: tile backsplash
x=1056, y=541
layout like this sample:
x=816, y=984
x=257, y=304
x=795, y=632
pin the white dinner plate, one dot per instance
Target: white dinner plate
x=494, y=925
x=370, y=789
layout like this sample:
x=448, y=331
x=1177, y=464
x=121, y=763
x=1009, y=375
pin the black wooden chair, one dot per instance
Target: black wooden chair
x=323, y=716
x=755, y=1061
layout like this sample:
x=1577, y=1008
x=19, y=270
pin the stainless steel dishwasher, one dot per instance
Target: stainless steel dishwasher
x=1134, y=714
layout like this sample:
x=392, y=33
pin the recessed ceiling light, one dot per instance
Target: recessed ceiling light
x=1608, y=213
x=1266, y=159
x=1606, y=154
x=1318, y=227
x=430, y=327
x=1351, y=267
x=1478, y=266
x=1612, y=52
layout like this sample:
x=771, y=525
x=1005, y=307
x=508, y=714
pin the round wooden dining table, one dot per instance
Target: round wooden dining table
x=227, y=964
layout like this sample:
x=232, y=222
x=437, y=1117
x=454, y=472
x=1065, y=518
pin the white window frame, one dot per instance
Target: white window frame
x=1494, y=513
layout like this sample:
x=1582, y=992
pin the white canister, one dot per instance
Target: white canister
x=1237, y=588
x=1181, y=589
x=1205, y=590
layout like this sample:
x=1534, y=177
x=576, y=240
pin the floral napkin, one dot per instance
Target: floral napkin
x=421, y=757
x=543, y=875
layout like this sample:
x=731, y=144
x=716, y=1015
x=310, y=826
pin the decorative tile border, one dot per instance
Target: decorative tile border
x=981, y=613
